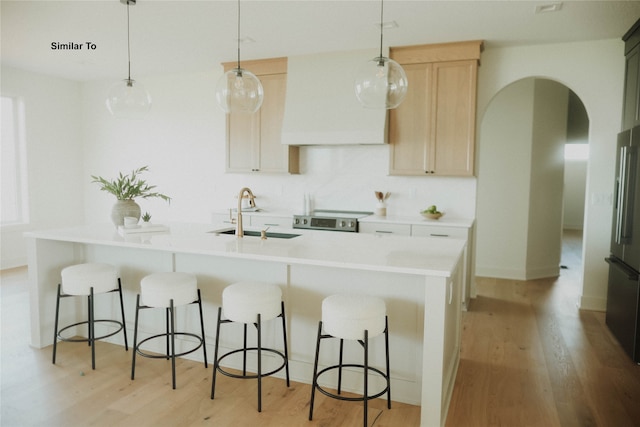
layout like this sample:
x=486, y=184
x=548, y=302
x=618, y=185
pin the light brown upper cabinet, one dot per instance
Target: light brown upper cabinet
x=433, y=131
x=254, y=140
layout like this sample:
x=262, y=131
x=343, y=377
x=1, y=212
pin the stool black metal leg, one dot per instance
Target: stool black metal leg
x=135, y=338
x=124, y=323
x=173, y=343
x=92, y=332
x=88, y=321
x=366, y=375
x=259, y=364
x=244, y=352
x=284, y=335
x=55, y=326
x=340, y=366
x=215, y=355
x=314, y=382
x=168, y=352
x=204, y=346
x=386, y=340
x=260, y=371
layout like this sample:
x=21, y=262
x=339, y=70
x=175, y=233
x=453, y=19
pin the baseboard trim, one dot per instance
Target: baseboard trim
x=592, y=303
x=531, y=274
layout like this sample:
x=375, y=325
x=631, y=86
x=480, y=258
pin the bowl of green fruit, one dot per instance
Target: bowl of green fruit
x=431, y=212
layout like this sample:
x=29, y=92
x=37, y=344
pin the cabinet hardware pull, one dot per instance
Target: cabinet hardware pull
x=438, y=235
x=384, y=231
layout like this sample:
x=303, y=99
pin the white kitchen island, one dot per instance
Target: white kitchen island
x=419, y=279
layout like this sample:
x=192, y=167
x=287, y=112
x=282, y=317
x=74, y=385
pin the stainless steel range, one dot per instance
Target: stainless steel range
x=332, y=220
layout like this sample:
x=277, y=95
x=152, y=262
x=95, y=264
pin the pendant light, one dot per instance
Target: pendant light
x=128, y=98
x=381, y=82
x=239, y=90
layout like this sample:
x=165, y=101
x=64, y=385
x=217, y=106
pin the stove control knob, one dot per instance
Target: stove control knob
x=297, y=221
x=351, y=224
x=343, y=224
x=304, y=221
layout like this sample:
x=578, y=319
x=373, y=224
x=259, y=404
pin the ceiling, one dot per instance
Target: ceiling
x=188, y=36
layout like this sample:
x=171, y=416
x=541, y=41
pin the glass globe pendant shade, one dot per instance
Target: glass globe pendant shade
x=239, y=91
x=381, y=83
x=128, y=99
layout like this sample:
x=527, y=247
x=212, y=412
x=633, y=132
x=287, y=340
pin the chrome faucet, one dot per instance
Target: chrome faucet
x=252, y=203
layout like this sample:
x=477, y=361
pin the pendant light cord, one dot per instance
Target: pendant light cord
x=381, y=20
x=128, y=43
x=238, y=34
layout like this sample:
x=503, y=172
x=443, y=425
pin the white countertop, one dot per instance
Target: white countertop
x=424, y=256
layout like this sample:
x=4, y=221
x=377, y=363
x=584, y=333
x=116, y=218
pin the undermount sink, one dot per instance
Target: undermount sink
x=257, y=234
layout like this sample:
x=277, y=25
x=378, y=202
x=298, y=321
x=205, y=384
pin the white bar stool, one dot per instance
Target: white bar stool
x=352, y=317
x=88, y=279
x=168, y=290
x=251, y=302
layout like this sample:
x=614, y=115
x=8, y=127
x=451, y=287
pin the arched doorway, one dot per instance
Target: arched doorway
x=521, y=179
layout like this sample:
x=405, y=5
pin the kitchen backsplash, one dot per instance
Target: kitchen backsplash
x=345, y=178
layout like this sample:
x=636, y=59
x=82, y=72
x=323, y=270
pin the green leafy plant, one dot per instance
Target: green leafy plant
x=129, y=187
x=146, y=217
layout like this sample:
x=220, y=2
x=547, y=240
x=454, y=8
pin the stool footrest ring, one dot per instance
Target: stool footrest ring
x=340, y=397
x=115, y=322
x=141, y=352
x=264, y=374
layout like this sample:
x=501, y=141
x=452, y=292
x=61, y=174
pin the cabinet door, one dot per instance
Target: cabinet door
x=380, y=228
x=254, y=140
x=271, y=221
x=409, y=125
x=631, y=115
x=243, y=134
x=439, y=231
x=453, y=126
x=273, y=156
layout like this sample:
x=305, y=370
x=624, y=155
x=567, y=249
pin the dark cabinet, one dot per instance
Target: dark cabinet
x=631, y=112
x=623, y=301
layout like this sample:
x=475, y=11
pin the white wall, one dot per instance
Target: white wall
x=595, y=72
x=505, y=166
x=544, y=245
x=575, y=180
x=520, y=190
x=183, y=142
x=53, y=124
x=575, y=170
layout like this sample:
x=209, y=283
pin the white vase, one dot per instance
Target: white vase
x=381, y=209
x=124, y=208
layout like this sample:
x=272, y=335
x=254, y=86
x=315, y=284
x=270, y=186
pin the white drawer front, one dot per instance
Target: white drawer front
x=379, y=228
x=271, y=221
x=435, y=231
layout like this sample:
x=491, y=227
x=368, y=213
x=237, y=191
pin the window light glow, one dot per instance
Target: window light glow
x=576, y=151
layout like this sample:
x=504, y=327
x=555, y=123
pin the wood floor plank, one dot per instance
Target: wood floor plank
x=572, y=371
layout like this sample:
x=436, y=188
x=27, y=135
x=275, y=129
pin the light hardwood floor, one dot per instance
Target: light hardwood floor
x=529, y=358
